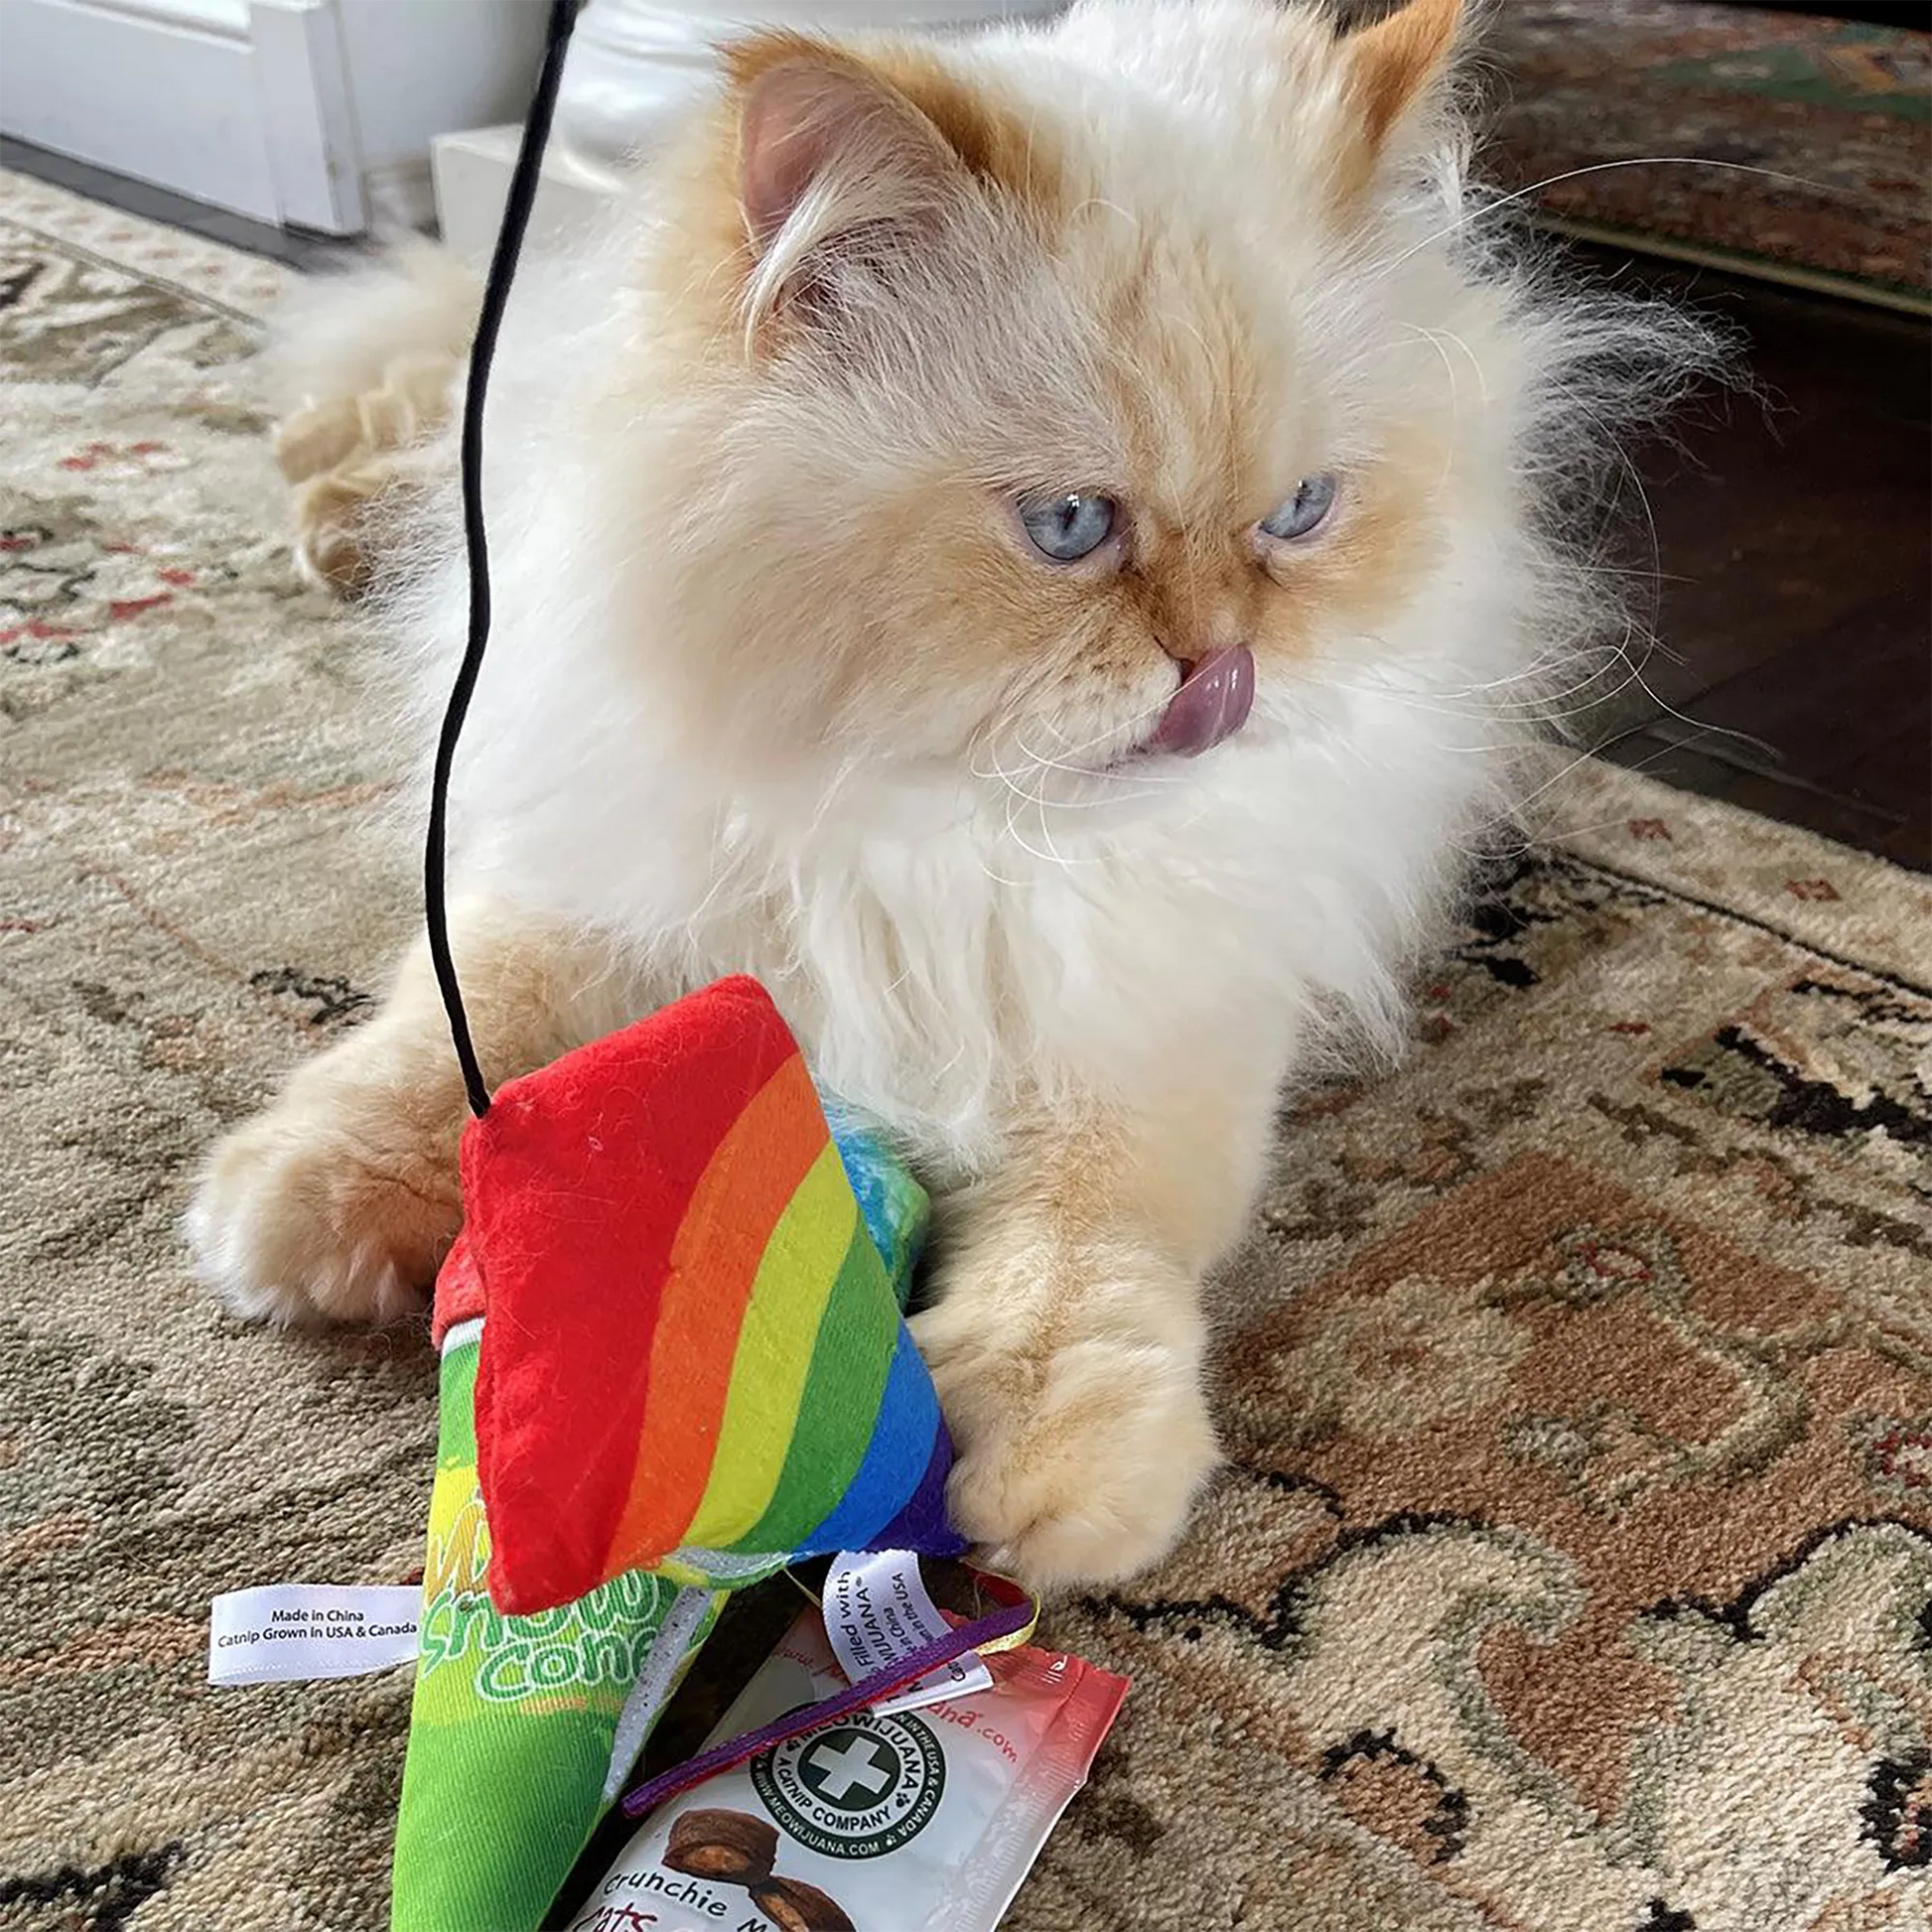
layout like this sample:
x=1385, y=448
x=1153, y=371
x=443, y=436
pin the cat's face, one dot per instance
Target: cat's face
x=1060, y=401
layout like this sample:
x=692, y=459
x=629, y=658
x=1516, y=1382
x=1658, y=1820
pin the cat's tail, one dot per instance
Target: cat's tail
x=365, y=374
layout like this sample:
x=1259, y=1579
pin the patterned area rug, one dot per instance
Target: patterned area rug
x=1842, y=112
x=1572, y=1567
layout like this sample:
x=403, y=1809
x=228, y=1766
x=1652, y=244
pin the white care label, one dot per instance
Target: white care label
x=877, y=1613
x=292, y=1632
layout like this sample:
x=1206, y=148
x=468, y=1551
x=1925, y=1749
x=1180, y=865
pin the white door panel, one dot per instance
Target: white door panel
x=305, y=112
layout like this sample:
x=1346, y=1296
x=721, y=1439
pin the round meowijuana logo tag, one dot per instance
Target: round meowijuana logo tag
x=854, y=1790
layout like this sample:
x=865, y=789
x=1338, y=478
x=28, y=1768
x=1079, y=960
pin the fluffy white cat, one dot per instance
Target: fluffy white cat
x=1038, y=547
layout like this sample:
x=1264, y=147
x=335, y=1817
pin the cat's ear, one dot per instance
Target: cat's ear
x=1395, y=65
x=829, y=151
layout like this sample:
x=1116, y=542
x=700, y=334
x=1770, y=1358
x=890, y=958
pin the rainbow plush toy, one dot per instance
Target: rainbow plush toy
x=673, y=1359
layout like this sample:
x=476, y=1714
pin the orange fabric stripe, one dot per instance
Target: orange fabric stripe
x=746, y=1187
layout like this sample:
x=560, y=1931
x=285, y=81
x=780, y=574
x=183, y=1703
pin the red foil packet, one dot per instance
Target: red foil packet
x=911, y=1822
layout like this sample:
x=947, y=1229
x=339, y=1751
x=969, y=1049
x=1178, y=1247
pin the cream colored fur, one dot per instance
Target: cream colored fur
x=776, y=688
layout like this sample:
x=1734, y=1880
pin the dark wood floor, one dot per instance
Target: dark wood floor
x=1794, y=558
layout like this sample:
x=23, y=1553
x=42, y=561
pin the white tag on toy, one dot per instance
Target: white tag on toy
x=289, y=1633
x=877, y=1611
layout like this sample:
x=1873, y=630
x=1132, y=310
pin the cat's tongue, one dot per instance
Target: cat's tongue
x=1212, y=703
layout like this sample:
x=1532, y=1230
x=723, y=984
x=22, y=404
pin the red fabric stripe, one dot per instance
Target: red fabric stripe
x=576, y=1183
x=714, y=1262
x=458, y=1292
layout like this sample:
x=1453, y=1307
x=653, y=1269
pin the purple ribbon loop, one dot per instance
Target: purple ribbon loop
x=986, y=1629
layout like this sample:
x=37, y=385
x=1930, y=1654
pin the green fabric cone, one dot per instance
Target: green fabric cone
x=515, y=1717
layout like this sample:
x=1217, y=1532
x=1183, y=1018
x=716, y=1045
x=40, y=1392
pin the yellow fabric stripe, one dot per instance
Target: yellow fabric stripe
x=795, y=1281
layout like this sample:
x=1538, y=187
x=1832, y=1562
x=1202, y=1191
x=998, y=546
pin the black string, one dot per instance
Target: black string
x=497, y=288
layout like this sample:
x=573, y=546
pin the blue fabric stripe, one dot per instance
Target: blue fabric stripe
x=896, y=1459
x=921, y=1525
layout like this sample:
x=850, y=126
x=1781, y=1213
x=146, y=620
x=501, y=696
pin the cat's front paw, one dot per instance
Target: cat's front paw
x=326, y=1208
x=1078, y=1458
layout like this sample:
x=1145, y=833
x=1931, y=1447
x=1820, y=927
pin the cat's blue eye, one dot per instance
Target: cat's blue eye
x=1068, y=525
x=1314, y=498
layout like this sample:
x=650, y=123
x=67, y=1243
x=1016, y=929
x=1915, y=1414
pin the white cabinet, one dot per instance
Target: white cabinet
x=316, y=113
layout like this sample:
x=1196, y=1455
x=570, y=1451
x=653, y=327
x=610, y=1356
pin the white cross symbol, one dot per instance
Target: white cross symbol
x=838, y=1770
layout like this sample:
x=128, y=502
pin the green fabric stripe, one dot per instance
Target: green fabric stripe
x=850, y=1357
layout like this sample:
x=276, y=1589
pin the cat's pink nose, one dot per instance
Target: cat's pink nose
x=1216, y=694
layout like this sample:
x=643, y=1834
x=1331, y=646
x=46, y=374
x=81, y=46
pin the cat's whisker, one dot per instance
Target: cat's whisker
x=1152, y=788
x=1455, y=397
x=1070, y=764
x=1527, y=711
x=1552, y=831
x=1533, y=674
x=1040, y=802
x=1133, y=727
x=1540, y=705
x=1629, y=470
x=1469, y=355
x=1394, y=662
x=1000, y=878
x=1017, y=790
x=1018, y=795
x=1046, y=838
x=1702, y=726
x=1147, y=779
x=1100, y=804
x=1495, y=204
x=1520, y=806
x=1100, y=201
